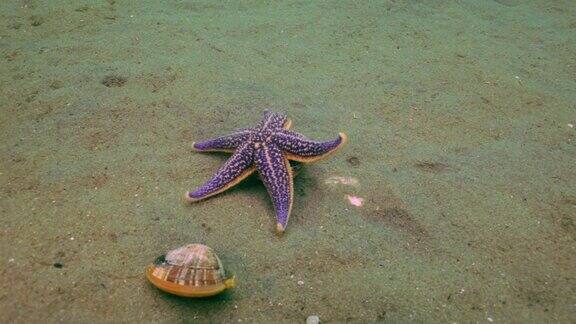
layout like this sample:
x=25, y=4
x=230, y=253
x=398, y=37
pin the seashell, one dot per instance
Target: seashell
x=193, y=270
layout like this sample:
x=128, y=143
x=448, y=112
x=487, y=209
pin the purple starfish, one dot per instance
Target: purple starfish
x=268, y=147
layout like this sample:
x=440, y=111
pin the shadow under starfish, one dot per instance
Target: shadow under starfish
x=268, y=148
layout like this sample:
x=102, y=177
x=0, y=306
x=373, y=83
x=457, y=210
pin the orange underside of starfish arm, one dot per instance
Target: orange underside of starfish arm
x=229, y=185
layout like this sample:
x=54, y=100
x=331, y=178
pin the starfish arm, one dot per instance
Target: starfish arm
x=238, y=167
x=276, y=174
x=272, y=120
x=227, y=143
x=298, y=148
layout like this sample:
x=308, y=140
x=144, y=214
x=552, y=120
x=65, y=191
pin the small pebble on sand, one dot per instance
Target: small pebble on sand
x=313, y=319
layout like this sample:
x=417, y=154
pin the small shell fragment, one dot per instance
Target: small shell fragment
x=313, y=319
x=355, y=201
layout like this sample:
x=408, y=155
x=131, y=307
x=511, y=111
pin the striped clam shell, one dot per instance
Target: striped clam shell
x=193, y=270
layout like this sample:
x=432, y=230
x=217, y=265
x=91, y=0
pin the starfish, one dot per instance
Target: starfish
x=266, y=148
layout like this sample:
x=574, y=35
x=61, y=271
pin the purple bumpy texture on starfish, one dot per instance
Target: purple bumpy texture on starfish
x=268, y=147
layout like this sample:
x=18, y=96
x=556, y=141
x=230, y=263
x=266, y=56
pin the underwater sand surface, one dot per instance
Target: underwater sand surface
x=454, y=200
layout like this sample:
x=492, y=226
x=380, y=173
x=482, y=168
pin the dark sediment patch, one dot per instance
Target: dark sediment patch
x=36, y=21
x=567, y=221
x=508, y=3
x=99, y=140
x=114, y=81
x=353, y=161
x=432, y=167
x=398, y=219
x=325, y=261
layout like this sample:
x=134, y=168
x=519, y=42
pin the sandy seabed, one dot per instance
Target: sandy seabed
x=454, y=200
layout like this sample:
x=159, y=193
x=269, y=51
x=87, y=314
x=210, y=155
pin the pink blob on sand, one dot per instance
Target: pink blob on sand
x=356, y=201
